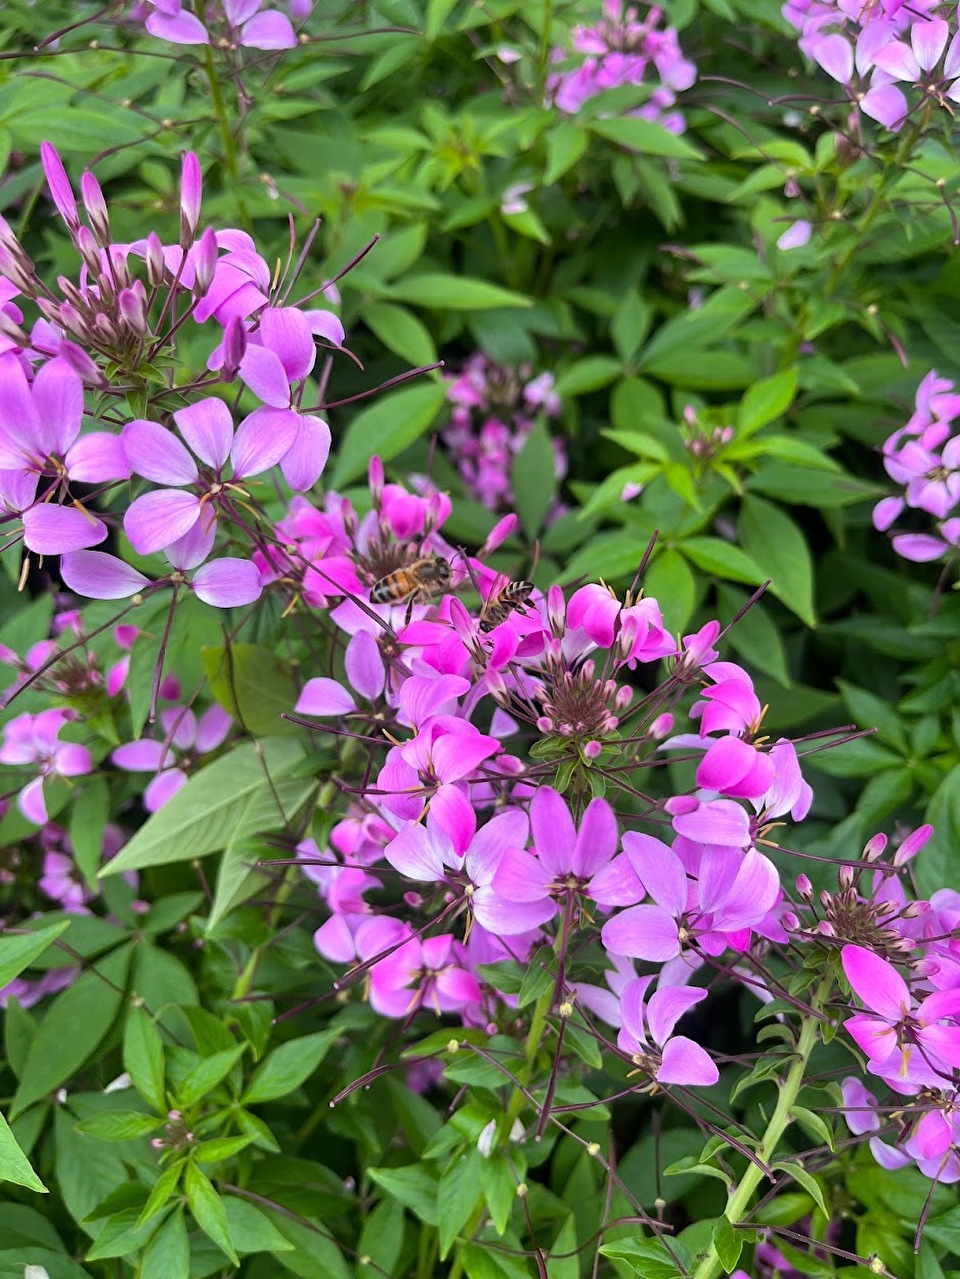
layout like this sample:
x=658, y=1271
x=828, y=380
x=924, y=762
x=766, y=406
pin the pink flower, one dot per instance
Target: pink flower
x=186, y=740
x=673, y=1059
x=904, y=1043
x=796, y=235
x=427, y=973
x=32, y=740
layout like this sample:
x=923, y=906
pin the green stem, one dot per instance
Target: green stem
x=543, y=52
x=736, y=1210
x=892, y=173
x=229, y=147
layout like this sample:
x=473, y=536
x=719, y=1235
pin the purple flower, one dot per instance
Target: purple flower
x=904, y=1043
x=186, y=740
x=731, y=893
x=668, y=1059
x=796, y=235
x=33, y=741
x=156, y=520
x=427, y=973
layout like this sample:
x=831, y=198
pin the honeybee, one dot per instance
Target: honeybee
x=418, y=582
x=498, y=606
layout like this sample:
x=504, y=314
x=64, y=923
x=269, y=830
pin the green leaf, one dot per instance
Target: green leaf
x=630, y=324
x=566, y=144
x=775, y=543
x=728, y=1243
x=645, y=137
x=458, y=1191
x=73, y=1027
x=217, y=1149
x=537, y=979
x=386, y=428
x=18, y=951
x=143, y=1057
x=14, y=1165
x=669, y=580
x=162, y=1191
x=454, y=293
x=413, y=1186
x=437, y=13
x=721, y=559
x=766, y=400
x=813, y=1124
x=381, y=1240
x=806, y=486
x=755, y=637
x=19, y=1029
x=167, y=1255
x=870, y=711
x=315, y=1255
x=288, y=1066
x=534, y=479
x=648, y=1258
x=588, y=374
x=208, y=1210
x=400, y=332
x=89, y=814
x=254, y=685
x=806, y=1180
x=252, y=1230
x=689, y=330
x=206, y=1074
x=938, y=865
x=119, y=1125
x=559, y=1264
x=206, y=814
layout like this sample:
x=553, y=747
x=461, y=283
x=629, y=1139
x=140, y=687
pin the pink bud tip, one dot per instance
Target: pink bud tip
x=205, y=262
x=191, y=194
x=60, y=189
x=96, y=207
x=376, y=478
x=499, y=533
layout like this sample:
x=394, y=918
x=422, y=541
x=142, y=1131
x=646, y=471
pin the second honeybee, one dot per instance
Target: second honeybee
x=500, y=604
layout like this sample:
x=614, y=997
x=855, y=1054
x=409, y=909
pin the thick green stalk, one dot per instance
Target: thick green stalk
x=216, y=97
x=740, y=1201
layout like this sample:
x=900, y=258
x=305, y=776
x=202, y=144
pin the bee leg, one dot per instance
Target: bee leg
x=414, y=599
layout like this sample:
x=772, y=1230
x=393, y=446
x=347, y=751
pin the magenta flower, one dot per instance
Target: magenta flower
x=427, y=973
x=186, y=740
x=156, y=520
x=244, y=25
x=905, y=1043
x=565, y=861
x=33, y=741
x=222, y=583
x=731, y=893
x=669, y=1059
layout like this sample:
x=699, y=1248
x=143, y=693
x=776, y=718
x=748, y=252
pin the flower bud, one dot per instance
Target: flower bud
x=68, y=317
x=790, y=921
x=556, y=611
x=132, y=311
x=12, y=331
x=191, y=195
x=96, y=207
x=205, y=262
x=912, y=844
x=592, y=750
x=499, y=534
x=804, y=888
x=88, y=249
x=874, y=848
x=845, y=877
x=81, y=363
x=234, y=346
x=375, y=479
x=12, y=268
x=624, y=697
x=661, y=727
x=156, y=263
x=60, y=189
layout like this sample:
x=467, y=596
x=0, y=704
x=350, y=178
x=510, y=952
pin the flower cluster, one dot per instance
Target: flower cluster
x=494, y=411
x=924, y=458
x=621, y=50
x=872, y=49
x=180, y=478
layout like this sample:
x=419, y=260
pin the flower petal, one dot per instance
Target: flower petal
x=642, y=932
x=262, y=438
x=51, y=530
x=876, y=981
x=227, y=583
x=99, y=576
x=207, y=426
x=157, y=454
x=322, y=696
x=157, y=520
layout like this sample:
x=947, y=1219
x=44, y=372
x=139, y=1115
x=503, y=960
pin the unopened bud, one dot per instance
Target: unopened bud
x=556, y=611
x=105, y=329
x=69, y=318
x=96, y=207
x=591, y=750
x=59, y=185
x=624, y=697
x=661, y=727
x=499, y=534
x=12, y=331
x=234, y=347
x=874, y=848
x=913, y=910
x=191, y=195
x=81, y=363
x=804, y=888
x=156, y=263
x=375, y=478
x=845, y=876
x=205, y=262
x=12, y=268
x=790, y=921
x=131, y=309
